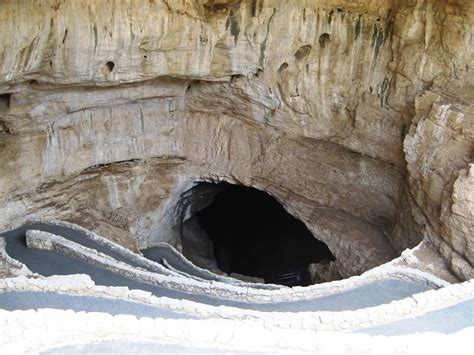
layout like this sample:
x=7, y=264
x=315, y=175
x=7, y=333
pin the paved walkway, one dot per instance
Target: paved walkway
x=48, y=263
x=11, y=301
x=157, y=254
x=447, y=320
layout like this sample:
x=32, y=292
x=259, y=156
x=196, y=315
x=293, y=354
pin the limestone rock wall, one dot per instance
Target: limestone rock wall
x=439, y=151
x=110, y=111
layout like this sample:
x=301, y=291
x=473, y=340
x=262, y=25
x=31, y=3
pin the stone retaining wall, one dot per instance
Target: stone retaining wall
x=222, y=290
x=36, y=331
x=413, y=306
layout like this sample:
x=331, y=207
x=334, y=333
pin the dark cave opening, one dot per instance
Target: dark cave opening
x=253, y=235
x=4, y=101
x=110, y=66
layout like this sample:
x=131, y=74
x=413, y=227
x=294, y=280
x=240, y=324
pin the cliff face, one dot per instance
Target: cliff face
x=356, y=116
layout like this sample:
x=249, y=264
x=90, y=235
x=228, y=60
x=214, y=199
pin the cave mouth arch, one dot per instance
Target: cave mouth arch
x=246, y=231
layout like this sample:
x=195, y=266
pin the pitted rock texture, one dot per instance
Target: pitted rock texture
x=356, y=116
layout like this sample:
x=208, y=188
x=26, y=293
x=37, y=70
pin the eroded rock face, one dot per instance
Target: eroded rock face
x=439, y=154
x=108, y=115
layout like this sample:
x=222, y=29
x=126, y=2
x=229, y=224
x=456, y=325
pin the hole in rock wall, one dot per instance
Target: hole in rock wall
x=110, y=66
x=323, y=40
x=245, y=231
x=282, y=68
x=302, y=52
x=4, y=102
x=4, y=106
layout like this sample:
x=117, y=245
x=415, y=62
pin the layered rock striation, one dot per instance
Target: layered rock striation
x=356, y=116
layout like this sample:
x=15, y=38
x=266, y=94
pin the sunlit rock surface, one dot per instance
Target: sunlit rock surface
x=356, y=116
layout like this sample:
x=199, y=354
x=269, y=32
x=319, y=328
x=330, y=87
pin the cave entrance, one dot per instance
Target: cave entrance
x=251, y=234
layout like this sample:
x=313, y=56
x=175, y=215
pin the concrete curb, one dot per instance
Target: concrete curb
x=252, y=294
x=139, y=258
x=225, y=279
x=413, y=306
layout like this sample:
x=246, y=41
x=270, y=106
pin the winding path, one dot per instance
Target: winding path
x=48, y=263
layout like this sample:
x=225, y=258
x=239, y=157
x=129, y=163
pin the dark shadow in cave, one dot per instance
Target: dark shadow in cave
x=253, y=235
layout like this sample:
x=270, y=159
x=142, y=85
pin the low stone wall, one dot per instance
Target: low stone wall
x=210, y=275
x=424, y=277
x=36, y=331
x=413, y=306
x=138, y=258
x=10, y=266
x=222, y=290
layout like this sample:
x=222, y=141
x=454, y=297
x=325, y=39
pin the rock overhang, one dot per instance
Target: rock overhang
x=237, y=93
